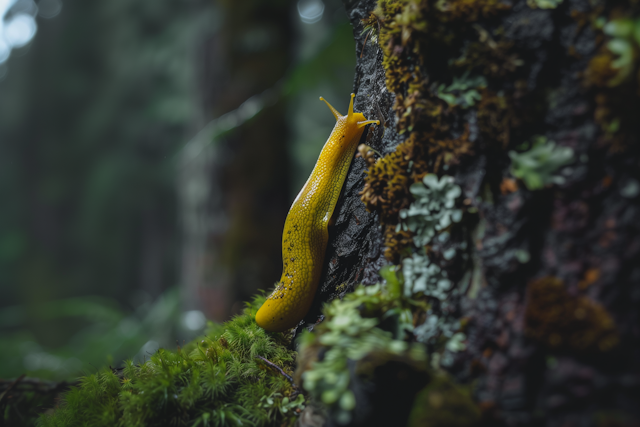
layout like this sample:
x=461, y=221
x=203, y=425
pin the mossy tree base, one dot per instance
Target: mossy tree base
x=528, y=106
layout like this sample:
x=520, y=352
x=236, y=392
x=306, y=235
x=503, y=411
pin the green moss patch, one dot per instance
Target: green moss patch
x=221, y=379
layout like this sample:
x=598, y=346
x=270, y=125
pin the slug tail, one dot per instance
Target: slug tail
x=335, y=112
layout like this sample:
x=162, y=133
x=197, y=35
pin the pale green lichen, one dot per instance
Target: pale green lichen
x=432, y=212
x=463, y=91
x=423, y=276
x=625, y=41
x=456, y=342
x=348, y=334
x=433, y=209
x=537, y=166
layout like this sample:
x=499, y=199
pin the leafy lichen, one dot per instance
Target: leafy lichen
x=537, y=166
x=463, y=91
x=433, y=209
x=353, y=331
x=614, y=73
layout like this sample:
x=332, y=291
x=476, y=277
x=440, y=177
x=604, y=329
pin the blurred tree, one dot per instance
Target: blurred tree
x=90, y=118
x=236, y=192
x=101, y=194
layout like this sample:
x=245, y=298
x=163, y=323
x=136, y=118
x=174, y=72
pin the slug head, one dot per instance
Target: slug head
x=352, y=119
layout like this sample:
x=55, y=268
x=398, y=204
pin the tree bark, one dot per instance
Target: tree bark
x=532, y=109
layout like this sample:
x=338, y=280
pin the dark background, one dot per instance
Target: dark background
x=133, y=207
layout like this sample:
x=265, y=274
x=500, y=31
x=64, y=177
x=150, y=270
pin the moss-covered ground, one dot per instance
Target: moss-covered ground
x=237, y=374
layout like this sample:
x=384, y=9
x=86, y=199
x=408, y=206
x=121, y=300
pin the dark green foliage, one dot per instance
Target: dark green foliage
x=214, y=381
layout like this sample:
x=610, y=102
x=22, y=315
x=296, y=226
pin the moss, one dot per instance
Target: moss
x=397, y=243
x=371, y=28
x=544, y=4
x=214, y=381
x=410, y=32
x=496, y=118
x=560, y=320
x=493, y=58
x=444, y=404
x=600, y=72
x=386, y=184
x=469, y=10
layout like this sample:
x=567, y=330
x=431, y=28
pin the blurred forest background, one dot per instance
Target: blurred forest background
x=149, y=152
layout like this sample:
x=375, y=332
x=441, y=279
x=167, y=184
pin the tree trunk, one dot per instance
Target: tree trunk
x=531, y=108
x=232, y=184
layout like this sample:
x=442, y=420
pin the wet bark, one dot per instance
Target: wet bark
x=547, y=292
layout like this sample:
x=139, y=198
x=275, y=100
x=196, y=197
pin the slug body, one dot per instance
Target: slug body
x=305, y=235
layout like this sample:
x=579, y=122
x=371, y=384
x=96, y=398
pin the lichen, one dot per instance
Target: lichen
x=367, y=154
x=218, y=380
x=614, y=73
x=429, y=219
x=537, y=166
x=433, y=209
x=425, y=277
x=463, y=91
x=624, y=43
x=561, y=320
x=352, y=331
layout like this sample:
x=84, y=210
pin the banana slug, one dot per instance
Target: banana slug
x=305, y=234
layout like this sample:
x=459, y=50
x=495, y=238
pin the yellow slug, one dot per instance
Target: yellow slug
x=304, y=239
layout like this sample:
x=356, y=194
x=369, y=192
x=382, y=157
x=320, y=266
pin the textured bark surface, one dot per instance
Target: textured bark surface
x=354, y=253
x=548, y=292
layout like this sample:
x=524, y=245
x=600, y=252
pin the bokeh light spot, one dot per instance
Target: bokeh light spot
x=48, y=9
x=20, y=30
x=194, y=320
x=310, y=11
